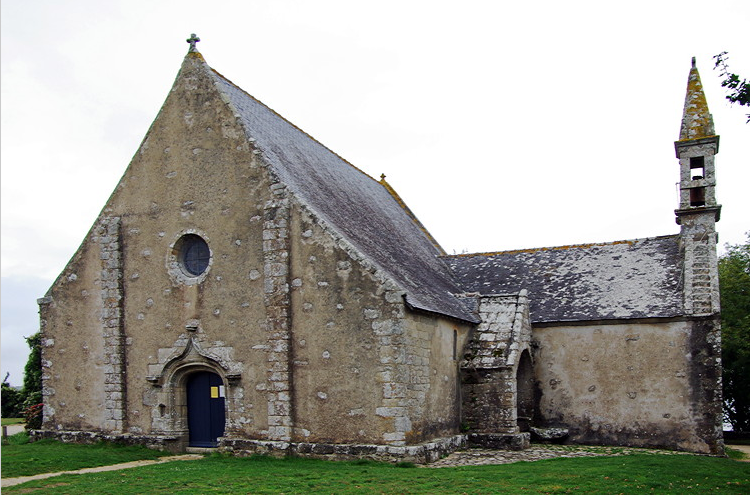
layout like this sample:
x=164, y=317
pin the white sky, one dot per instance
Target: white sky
x=502, y=124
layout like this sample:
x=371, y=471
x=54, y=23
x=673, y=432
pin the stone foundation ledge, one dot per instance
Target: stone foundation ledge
x=501, y=441
x=156, y=442
x=421, y=454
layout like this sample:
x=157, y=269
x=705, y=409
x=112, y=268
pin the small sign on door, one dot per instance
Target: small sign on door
x=217, y=392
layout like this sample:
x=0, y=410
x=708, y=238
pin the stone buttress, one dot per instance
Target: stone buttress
x=491, y=371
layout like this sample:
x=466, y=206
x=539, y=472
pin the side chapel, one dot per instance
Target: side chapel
x=246, y=288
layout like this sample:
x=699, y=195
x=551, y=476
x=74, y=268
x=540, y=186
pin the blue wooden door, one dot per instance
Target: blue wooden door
x=205, y=399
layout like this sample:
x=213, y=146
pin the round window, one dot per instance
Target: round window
x=194, y=254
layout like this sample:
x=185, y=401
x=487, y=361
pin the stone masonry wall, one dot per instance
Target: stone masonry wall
x=385, y=374
x=81, y=320
x=639, y=384
x=432, y=393
x=701, y=280
x=348, y=341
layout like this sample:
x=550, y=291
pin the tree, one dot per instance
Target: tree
x=12, y=400
x=26, y=401
x=32, y=383
x=738, y=89
x=734, y=281
x=32, y=372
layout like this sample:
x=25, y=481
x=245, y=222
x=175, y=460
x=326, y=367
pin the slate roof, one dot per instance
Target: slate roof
x=359, y=208
x=620, y=280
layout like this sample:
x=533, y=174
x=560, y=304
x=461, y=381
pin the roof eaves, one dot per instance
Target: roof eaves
x=474, y=320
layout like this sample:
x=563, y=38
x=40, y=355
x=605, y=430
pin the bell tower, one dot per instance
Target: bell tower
x=698, y=211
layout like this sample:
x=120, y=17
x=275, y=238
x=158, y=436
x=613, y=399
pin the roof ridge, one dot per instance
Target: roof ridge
x=411, y=214
x=560, y=248
x=292, y=124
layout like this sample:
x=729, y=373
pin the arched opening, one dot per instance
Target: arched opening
x=524, y=392
x=213, y=386
x=206, y=414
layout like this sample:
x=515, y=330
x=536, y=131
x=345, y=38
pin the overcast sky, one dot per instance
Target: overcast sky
x=502, y=124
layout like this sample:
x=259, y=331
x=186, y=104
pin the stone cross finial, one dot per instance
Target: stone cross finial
x=193, y=39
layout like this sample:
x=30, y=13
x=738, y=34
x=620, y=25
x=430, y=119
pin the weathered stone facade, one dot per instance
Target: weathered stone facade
x=326, y=321
x=627, y=383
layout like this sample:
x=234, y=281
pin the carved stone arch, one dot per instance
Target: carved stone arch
x=176, y=388
x=190, y=350
x=168, y=396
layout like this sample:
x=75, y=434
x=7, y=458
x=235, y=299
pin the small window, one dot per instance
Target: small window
x=194, y=254
x=455, y=344
x=190, y=258
x=696, y=167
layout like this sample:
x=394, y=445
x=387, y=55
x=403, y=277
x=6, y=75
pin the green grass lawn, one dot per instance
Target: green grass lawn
x=12, y=421
x=218, y=474
x=21, y=458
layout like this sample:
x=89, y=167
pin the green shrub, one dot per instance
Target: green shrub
x=33, y=415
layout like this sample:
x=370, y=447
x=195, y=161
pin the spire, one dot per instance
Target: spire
x=697, y=122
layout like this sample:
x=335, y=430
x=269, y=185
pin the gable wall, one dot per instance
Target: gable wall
x=195, y=172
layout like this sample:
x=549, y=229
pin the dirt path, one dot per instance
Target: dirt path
x=537, y=452
x=13, y=429
x=743, y=448
x=114, y=467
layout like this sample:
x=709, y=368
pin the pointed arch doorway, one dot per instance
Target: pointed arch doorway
x=205, y=408
x=525, y=392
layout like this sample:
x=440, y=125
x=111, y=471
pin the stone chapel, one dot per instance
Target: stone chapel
x=245, y=288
